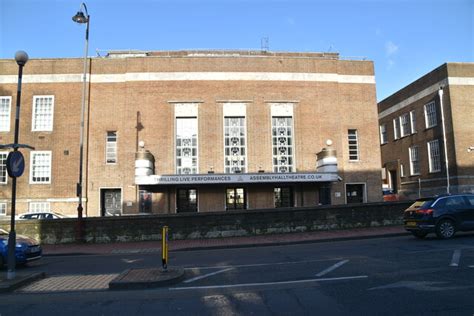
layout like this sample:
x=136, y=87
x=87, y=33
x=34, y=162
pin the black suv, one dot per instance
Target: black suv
x=443, y=215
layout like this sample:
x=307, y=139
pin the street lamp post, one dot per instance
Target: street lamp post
x=82, y=16
x=21, y=58
x=440, y=93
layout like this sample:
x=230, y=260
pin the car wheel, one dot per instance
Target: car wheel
x=1, y=262
x=419, y=234
x=445, y=229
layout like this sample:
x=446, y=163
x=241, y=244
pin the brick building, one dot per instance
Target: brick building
x=199, y=131
x=411, y=133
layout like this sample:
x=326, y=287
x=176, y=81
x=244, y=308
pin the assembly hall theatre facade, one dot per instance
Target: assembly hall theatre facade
x=194, y=131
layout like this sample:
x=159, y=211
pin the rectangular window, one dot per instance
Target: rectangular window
x=5, y=110
x=413, y=121
x=43, y=109
x=3, y=209
x=186, y=145
x=283, y=197
x=430, y=115
x=383, y=134
x=414, y=160
x=3, y=167
x=40, y=167
x=434, y=156
x=402, y=171
x=39, y=207
x=234, y=144
x=396, y=128
x=353, y=144
x=405, y=124
x=235, y=199
x=111, y=148
x=282, y=144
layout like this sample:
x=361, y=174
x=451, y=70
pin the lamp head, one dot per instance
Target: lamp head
x=21, y=57
x=80, y=17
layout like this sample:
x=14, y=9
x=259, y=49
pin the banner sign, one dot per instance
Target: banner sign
x=236, y=178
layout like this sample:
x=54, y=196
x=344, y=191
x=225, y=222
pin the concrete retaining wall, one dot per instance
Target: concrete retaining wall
x=212, y=225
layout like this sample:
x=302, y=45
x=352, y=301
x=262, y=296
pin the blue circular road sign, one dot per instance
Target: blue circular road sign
x=15, y=164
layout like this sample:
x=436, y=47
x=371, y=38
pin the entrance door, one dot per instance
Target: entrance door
x=355, y=193
x=111, y=202
x=235, y=199
x=325, y=195
x=186, y=200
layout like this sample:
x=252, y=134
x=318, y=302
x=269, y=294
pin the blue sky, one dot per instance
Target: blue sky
x=404, y=38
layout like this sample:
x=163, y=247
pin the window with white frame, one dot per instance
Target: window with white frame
x=282, y=144
x=353, y=144
x=3, y=167
x=402, y=170
x=234, y=144
x=413, y=121
x=430, y=115
x=40, y=167
x=111, y=147
x=5, y=110
x=405, y=124
x=396, y=128
x=3, y=208
x=383, y=134
x=434, y=156
x=414, y=160
x=39, y=207
x=43, y=110
x=186, y=145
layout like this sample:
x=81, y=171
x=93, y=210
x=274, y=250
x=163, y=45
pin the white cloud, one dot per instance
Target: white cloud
x=390, y=48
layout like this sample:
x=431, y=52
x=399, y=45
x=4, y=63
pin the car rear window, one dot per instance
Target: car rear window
x=421, y=203
x=471, y=199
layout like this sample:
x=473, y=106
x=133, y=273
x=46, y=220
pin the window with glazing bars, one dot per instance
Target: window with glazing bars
x=186, y=145
x=413, y=121
x=414, y=160
x=434, y=156
x=3, y=167
x=383, y=134
x=430, y=114
x=396, y=128
x=39, y=207
x=5, y=110
x=405, y=124
x=43, y=108
x=3, y=209
x=111, y=147
x=282, y=140
x=234, y=144
x=40, y=167
x=353, y=144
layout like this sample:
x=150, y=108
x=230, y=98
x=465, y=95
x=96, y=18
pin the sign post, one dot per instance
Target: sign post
x=164, y=248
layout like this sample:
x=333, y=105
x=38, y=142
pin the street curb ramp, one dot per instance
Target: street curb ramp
x=133, y=279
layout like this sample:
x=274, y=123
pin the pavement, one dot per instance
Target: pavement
x=146, y=278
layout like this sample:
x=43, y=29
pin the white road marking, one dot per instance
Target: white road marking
x=456, y=258
x=421, y=286
x=207, y=275
x=224, y=286
x=261, y=264
x=331, y=268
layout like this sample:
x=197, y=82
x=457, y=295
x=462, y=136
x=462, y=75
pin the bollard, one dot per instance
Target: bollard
x=164, y=248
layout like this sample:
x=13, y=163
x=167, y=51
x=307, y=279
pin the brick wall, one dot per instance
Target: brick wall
x=216, y=224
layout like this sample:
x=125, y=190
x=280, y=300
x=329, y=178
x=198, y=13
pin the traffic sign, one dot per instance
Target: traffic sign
x=15, y=164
